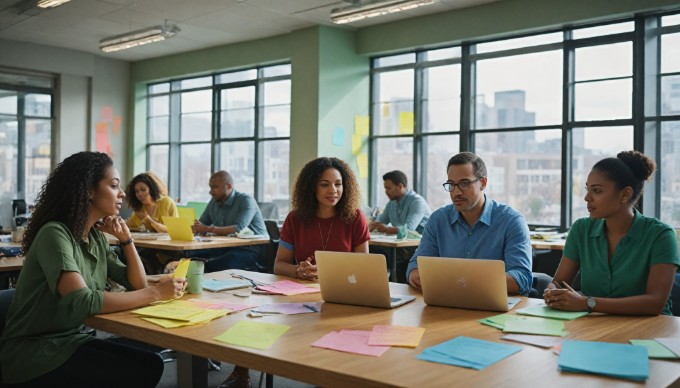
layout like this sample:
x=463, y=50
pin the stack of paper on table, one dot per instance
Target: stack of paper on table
x=218, y=304
x=468, y=352
x=178, y=313
x=256, y=335
x=525, y=325
x=609, y=359
x=286, y=287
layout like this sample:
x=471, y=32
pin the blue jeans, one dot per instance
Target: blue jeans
x=229, y=258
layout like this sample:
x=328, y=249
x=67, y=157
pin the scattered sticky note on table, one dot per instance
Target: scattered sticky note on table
x=468, y=352
x=177, y=310
x=497, y=321
x=655, y=349
x=204, y=317
x=182, y=269
x=256, y=335
x=406, y=336
x=536, y=340
x=218, y=304
x=530, y=325
x=547, y=312
x=286, y=287
x=609, y=359
x=350, y=341
x=673, y=344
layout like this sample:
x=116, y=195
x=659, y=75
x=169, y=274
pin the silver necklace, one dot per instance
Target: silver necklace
x=324, y=244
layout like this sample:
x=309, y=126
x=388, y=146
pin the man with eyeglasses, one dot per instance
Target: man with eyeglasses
x=405, y=208
x=476, y=227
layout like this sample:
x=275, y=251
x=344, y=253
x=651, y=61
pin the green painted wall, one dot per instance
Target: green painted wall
x=495, y=19
x=343, y=94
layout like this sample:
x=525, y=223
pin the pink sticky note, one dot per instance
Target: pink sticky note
x=406, y=336
x=350, y=341
x=286, y=287
x=217, y=304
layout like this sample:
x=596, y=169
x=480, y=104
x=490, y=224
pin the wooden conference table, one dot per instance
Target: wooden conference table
x=292, y=356
x=162, y=241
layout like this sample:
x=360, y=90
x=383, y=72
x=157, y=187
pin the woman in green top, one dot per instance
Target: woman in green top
x=63, y=282
x=627, y=261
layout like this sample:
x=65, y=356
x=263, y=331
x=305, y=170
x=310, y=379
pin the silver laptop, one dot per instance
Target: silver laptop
x=357, y=279
x=465, y=283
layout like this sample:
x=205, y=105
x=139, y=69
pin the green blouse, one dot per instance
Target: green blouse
x=648, y=242
x=43, y=328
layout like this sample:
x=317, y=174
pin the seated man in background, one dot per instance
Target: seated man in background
x=476, y=227
x=405, y=208
x=229, y=212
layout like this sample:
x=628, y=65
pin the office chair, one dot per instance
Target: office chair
x=539, y=284
x=269, y=210
x=6, y=297
x=266, y=264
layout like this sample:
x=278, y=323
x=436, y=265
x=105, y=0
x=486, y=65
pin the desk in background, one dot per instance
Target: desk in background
x=163, y=242
x=391, y=242
x=293, y=357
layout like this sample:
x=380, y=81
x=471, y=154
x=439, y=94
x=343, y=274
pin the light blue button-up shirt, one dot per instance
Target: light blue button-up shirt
x=501, y=233
x=240, y=210
x=412, y=210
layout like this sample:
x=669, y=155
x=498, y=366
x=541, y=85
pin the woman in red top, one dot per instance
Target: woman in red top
x=325, y=217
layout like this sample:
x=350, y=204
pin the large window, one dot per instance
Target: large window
x=237, y=121
x=539, y=109
x=25, y=133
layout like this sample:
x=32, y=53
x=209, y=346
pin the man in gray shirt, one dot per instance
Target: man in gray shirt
x=228, y=212
x=404, y=208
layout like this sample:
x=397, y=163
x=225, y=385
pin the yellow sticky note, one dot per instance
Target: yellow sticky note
x=177, y=310
x=361, y=125
x=182, y=268
x=356, y=144
x=204, y=317
x=405, y=122
x=406, y=336
x=187, y=212
x=362, y=162
x=257, y=335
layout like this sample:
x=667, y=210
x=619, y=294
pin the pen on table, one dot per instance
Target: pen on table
x=316, y=310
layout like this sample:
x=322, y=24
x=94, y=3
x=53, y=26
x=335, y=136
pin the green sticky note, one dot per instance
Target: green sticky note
x=547, y=312
x=257, y=335
x=497, y=321
x=530, y=325
x=655, y=349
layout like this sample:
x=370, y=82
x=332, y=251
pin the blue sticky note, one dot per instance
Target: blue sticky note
x=614, y=360
x=338, y=137
x=468, y=352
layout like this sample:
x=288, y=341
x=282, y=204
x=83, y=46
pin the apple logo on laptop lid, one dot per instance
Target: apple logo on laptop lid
x=352, y=279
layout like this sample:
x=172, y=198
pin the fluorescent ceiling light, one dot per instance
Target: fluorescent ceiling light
x=138, y=38
x=51, y=3
x=362, y=9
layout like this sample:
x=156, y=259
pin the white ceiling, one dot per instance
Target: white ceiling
x=81, y=24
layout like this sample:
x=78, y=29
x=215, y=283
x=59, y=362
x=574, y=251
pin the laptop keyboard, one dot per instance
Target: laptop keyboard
x=394, y=300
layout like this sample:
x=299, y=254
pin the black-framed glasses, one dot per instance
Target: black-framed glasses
x=462, y=185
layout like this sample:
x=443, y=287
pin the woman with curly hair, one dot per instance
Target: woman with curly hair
x=68, y=260
x=627, y=261
x=148, y=198
x=325, y=217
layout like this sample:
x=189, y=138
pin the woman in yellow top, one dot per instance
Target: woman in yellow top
x=148, y=198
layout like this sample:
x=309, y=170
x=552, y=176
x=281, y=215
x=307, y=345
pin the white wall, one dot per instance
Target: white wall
x=88, y=88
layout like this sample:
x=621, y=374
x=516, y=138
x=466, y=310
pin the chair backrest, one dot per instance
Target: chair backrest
x=272, y=230
x=269, y=210
x=539, y=284
x=6, y=297
x=675, y=295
